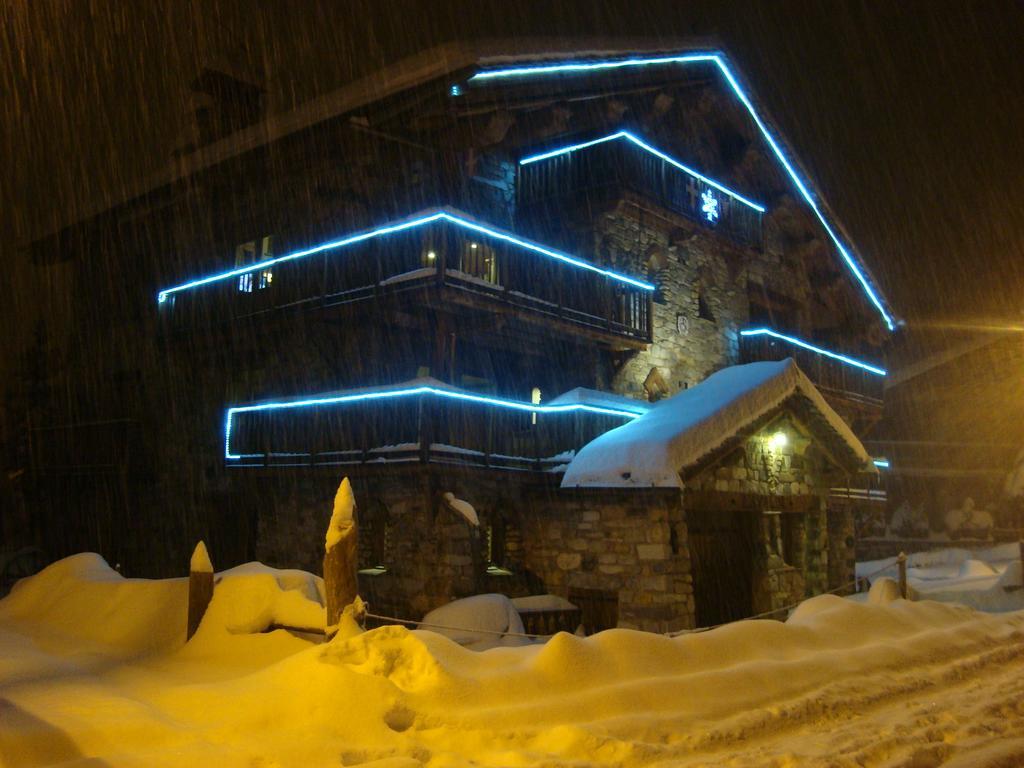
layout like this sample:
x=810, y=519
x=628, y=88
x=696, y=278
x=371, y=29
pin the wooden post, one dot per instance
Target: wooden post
x=200, y=588
x=341, y=557
x=901, y=561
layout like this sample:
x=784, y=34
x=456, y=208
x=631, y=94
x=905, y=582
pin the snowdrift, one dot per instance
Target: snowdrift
x=240, y=697
x=83, y=603
x=479, y=622
x=81, y=600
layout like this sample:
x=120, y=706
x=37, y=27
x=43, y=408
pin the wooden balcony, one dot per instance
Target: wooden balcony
x=854, y=392
x=442, y=263
x=591, y=175
x=414, y=428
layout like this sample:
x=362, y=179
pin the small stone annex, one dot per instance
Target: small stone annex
x=740, y=525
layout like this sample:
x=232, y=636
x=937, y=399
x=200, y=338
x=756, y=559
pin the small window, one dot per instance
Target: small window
x=479, y=260
x=254, y=252
x=535, y=399
x=703, y=308
x=656, y=266
x=429, y=253
x=496, y=541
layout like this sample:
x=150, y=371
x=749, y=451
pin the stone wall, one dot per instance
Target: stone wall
x=816, y=547
x=763, y=467
x=633, y=545
x=798, y=553
x=631, y=542
x=776, y=587
x=430, y=554
x=842, y=547
x=700, y=303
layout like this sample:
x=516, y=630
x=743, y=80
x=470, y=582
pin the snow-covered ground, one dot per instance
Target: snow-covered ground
x=94, y=671
x=987, y=580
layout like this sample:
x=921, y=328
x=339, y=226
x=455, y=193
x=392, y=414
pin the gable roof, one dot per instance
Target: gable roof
x=679, y=432
x=494, y=60
x=496, y=69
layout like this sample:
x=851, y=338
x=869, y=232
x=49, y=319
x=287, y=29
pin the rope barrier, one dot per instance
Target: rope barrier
x=790, y=607
x=432, y=625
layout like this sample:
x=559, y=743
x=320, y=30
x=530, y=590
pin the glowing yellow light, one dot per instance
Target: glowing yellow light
x=473, y=246
x=779, y=440
x=431, y=255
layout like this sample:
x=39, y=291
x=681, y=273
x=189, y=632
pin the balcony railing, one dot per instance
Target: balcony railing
x=441, y=250
x=836, y=380
x=622, y=162
x=412, y=426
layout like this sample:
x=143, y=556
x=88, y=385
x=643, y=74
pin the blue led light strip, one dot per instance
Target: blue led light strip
x=543, y=69
x=656, y=152
x=389, y=229
x=882, y=463
x=834, y=355
x=718, y=60
x=394, y=393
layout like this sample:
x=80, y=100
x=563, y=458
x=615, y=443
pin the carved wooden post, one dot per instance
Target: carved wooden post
x=901, y=561
x=341, y=557
x=200, y=587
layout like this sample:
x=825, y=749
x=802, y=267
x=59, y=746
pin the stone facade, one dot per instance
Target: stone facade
x=842, y=547
x=800, y=549
x=417, y=553
x=767, y=467
x=631, y=543
x=632, y=546
x=700, y=303
x=358, y=171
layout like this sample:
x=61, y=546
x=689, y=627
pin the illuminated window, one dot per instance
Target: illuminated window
x=479, y=260
x=495, y=541
x=431, y=249
x=535, y=399
x=254, y=252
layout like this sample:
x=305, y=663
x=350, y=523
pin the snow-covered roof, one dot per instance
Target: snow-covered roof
x=678, y=432
x=595, y=397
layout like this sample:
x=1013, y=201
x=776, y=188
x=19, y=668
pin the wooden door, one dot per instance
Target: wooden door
x=722, y=555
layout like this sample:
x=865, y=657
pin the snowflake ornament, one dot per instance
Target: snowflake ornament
x=710, y=206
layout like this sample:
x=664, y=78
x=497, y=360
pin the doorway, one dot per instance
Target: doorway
x=722, y=555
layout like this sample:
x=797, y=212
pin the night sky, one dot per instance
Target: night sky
x=908, y=116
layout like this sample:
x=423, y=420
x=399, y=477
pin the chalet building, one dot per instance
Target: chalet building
x=444, y=281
